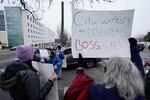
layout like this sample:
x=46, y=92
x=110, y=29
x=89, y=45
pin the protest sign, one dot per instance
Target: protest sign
x=45, y=71
x=43, y=53
x=101, y=34
x=64, y=62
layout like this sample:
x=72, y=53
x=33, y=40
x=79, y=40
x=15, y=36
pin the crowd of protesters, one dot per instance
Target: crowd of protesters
x=124, y=79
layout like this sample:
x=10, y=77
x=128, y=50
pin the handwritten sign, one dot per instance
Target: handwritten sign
x=44, y=53
x=101, y=34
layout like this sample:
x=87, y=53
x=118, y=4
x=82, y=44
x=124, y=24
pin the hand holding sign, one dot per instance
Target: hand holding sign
x=53, y=77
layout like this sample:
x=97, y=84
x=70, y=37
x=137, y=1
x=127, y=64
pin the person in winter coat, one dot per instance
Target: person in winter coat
x=122, y=81
x=60, y=53
x=135, y=56
x=147, y=79
x=79, y=87
x=57, y=63
x=147, y=85
x=81, y=61
x=29, y=81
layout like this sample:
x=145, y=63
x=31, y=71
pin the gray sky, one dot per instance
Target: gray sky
x=141, y=21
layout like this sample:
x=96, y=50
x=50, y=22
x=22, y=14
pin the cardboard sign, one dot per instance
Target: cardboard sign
x=64, y=62
x=45, y=71
x=101, y=34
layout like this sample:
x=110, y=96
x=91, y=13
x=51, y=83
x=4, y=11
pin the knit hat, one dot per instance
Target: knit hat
x=133, y=42
x=25, y=52
x=79, y=70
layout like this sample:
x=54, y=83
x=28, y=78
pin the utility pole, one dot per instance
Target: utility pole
x=62, y=22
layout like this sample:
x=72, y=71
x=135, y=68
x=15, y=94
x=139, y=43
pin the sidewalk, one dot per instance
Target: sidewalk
x=6, y=55
x=4, y=50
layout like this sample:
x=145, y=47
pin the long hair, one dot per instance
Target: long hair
x=123, y=74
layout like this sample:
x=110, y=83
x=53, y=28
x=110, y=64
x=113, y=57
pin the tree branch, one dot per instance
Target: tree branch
x=2, y=1
x=23, y=3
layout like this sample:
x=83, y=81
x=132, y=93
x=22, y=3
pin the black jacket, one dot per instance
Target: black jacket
x=28, y=84
x=147, y=86
x=137, y=60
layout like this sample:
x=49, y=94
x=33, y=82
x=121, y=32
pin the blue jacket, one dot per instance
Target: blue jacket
x=137, y=60
x=54, y=60
x=60, y=54
x=99, y=92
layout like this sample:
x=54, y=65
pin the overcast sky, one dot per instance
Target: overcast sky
x=141, y=21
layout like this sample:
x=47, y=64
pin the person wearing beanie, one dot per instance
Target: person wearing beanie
x=30, y=80
x=25, y=53
x=135, y=56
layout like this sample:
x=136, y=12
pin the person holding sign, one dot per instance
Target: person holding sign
x=57, y=63
x=135, y=56
x=21, y=80
x=60, y=53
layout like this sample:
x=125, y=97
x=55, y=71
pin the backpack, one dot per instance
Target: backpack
x=11, y=80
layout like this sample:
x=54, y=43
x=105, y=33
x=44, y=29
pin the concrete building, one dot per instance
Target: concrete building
x=3, y=32
x=19, y=27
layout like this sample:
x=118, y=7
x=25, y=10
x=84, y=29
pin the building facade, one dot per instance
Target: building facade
x=22, y=28
x=13, y=17
x=3, y=30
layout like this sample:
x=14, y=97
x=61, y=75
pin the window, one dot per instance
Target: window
x=27, y=16
x=30, y=18
x=2, y=23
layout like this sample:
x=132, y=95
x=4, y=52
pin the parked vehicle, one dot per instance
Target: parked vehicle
x=12, y=48
x=70, y=61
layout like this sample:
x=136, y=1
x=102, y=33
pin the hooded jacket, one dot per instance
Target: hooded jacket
x=25, y=86
x=137, y=60
x=79, y=88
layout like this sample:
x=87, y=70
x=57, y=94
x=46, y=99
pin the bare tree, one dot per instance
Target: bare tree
x=64, y=38
x=36, y=6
